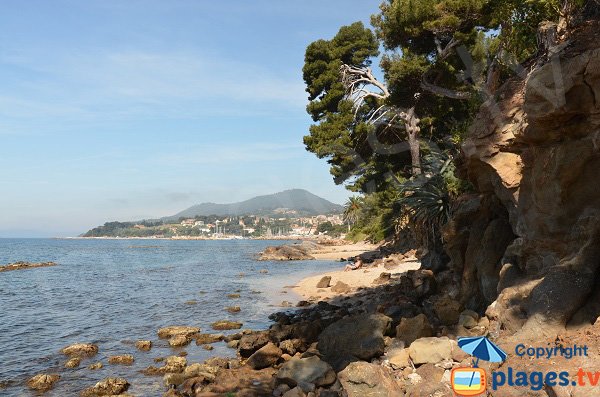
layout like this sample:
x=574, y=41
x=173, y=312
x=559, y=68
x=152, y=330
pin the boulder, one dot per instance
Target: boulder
x=468, y=319
x=361, y=379
x=430, y=350
x=80, y=350
x=176, y=330
x=411, y=329
x=399, y=358
x=341, y=288
x=73, y=363
x=225, y=325
x=252, y=342
x=266, y=356
x=96, y=366
x=179, y=341
x=43, y=382
x=243, y=381
x=325, y=282
x=383, y=278
x=306, y=370
x=447, y=309
x=205, y=339
x=143, y=345
x=107, y=387
x=126, y=359
x=233, y=309
x=358, y=337
x=286, y=253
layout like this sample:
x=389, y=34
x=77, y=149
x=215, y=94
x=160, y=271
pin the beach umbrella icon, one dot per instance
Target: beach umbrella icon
x=483, y=349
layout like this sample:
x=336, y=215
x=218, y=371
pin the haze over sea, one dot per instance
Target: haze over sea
x=115, y=292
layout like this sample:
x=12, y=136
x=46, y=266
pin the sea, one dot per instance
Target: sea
x=114, y=292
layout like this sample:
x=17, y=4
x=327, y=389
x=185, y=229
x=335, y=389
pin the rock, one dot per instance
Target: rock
x=447, y=309
x=306, y=370
x=233, y=309
x=468, y=319
x=95, y=367
x=24, y=265
x=325, y=282
x=291, y=346
x=303, y=304
x=266, y=356
x=143, y=345
x=176, y=330
x=233, y=344
x=295, y=392
x=208, y=347
x=361, y=379
x=179, y=341
x=233, y=296
x=73, y=363
x=252, y=342
x=430, y=350
x=286, y=304
x=355, y=337
x=431, y=373
x=296, y=252
x=107, y=387
x=341, y=288
x=80, y=350
x=126, y=359
x=280, y=390
x=411, y=329
x=43, y=382
x=241, y=382
x=264, y=271
x=205, y=339
x=399, y=358
x=173, y=364
x=191, y=302
x=458, y=354
x=383, y=278
x=224, y=325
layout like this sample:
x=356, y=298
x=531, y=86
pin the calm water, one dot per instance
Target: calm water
x=114, y=292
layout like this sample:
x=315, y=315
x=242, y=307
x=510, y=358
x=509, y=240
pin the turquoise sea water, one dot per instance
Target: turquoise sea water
x=114, y=292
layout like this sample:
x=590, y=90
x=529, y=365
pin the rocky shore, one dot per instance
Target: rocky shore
x=24, y=265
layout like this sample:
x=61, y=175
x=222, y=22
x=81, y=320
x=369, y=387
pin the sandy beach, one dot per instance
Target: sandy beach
x=364, y=277
x=336, y=252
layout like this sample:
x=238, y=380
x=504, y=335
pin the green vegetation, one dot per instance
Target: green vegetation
x=393, y=139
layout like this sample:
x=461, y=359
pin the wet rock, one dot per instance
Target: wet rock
x=24, y=265
x=95, y=367
x=80, y=350
x=306, y=370
x=43, y=382
x=208, y=347
x=361, y=379
x=205, y=339
x=341, y=288
x=233, y=296
x=126, y=359
x=179, y=341
x=173, y=364
x=233, y=309
x=266, y=356
x=73, y=363
x=224, y=325
x=430, y=350
x=411, y=329
x=355, y=337
x=176, y=330
x=325, y=282
x=252, y=342
x=107, y=387
x=143, y=345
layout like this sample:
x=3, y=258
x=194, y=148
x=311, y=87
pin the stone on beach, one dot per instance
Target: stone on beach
x=43, y=382
x=265, y=357
x=341, y=288
x=325, y=282
x=411, y=329
x=248, y=344
x=306, y=370
x=175, y=330
x=80, y=350
x=430, y=350
x=362, y=379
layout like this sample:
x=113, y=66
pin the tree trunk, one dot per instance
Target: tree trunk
x=413, y=131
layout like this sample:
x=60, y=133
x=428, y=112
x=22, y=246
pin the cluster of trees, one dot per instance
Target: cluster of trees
x=391, y=137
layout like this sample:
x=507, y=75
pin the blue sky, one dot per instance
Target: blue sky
x=123, y=110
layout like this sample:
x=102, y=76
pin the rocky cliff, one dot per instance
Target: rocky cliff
x=527, y=243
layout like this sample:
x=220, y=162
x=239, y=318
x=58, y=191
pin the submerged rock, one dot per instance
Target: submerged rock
x=24, y=265
x=143, y=345
x=126, y=359
x=179, y=341
x=73, y=363
x=205, y=339
x=43, y=382
x=176, y=330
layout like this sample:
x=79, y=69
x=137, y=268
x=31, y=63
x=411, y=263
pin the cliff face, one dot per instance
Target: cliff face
x=529, y=242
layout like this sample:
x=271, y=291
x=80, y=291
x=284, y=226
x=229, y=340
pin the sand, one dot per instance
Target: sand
x=364, y=277
x=336, y=252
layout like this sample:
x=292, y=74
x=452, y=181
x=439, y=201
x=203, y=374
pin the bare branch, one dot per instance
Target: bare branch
x=441, y=91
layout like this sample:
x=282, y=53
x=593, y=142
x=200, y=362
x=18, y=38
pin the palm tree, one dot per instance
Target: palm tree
x=352, y=210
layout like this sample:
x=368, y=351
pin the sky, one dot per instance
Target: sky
x=126, y=110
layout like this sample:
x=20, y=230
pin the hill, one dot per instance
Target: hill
x=299, y=200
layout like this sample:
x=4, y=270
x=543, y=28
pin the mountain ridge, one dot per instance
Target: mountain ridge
x=300, y=200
